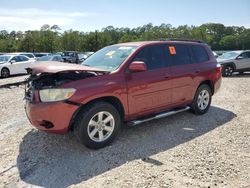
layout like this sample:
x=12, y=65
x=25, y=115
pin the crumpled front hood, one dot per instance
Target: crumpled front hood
x=55, y=67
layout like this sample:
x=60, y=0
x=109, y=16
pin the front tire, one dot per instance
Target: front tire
x=227, y=71
x=202, y=100
x=97, y=125
x=5, y=73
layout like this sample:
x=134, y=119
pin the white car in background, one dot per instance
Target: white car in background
x=27, y=54
x=234, y=61
x=14, y=64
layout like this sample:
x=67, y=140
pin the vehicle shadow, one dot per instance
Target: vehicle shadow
x=59, y=161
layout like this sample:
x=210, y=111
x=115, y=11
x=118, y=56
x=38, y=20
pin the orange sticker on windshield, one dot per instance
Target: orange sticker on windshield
x=172, y=50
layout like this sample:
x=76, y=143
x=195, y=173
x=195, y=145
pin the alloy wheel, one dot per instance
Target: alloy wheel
x=5, y=73
x=203, y=99
x=101, y=126
x=228, y=71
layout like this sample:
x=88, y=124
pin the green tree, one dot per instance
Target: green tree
x=229, y=42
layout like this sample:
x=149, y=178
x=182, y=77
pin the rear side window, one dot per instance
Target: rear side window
x=23, y=58
x=152, y=56
x=200, y=54
x=178, y=54
x=28, y=55
x=15, y=58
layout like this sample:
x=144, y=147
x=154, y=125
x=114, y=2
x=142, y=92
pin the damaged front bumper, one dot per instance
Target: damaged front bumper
x=52, y=117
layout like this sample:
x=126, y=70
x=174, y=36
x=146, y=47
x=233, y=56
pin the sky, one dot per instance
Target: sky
x=90, y=15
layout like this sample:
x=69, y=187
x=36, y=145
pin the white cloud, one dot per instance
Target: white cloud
x=32, y=18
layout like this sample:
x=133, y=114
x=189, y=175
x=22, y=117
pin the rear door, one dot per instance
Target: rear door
x=244, y=61
x=150, y=90
x=183, y=71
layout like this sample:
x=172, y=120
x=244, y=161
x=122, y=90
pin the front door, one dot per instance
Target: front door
x=150, y=90
x=20, y=64
x=243, y=61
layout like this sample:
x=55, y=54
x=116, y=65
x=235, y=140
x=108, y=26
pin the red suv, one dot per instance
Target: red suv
x=130, y=82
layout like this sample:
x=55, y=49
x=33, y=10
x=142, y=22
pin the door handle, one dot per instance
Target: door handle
x=166, y=75
x=196, y=71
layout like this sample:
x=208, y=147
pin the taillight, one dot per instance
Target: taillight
x=218, y=71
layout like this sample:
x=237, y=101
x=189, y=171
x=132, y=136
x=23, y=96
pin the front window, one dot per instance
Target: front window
x=228, y=55
x=109, y=58
x=4, y=58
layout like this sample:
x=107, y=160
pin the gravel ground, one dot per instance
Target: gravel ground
x=183, y=150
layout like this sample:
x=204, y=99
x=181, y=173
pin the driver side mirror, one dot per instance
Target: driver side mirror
x=12, y=61
x=137, y=66
x=240, y=57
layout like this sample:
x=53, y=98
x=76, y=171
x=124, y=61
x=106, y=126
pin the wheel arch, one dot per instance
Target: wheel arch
x=209, y=83
x=230, y=64
x=109, y=99
x=4, y=68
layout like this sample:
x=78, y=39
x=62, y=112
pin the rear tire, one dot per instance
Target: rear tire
x=5, y=73
x=202, y=100
x=97, y=125
x=228, y=71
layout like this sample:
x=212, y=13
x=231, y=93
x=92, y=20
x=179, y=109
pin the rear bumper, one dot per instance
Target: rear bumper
x=50, y=117
x=217, y=85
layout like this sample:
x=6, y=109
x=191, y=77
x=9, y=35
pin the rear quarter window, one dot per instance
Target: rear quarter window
x=28, y=55
x=200, y=54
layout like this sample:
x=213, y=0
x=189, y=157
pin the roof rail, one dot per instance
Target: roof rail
x=186, y=40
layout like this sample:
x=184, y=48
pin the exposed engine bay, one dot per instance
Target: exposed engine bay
x=49, y=80
x=53, y=74
x=52, y=80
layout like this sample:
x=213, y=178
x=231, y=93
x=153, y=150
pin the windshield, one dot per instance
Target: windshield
x=229, y=55
x=109, y=58
x=45, y=58
x=4, y=58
